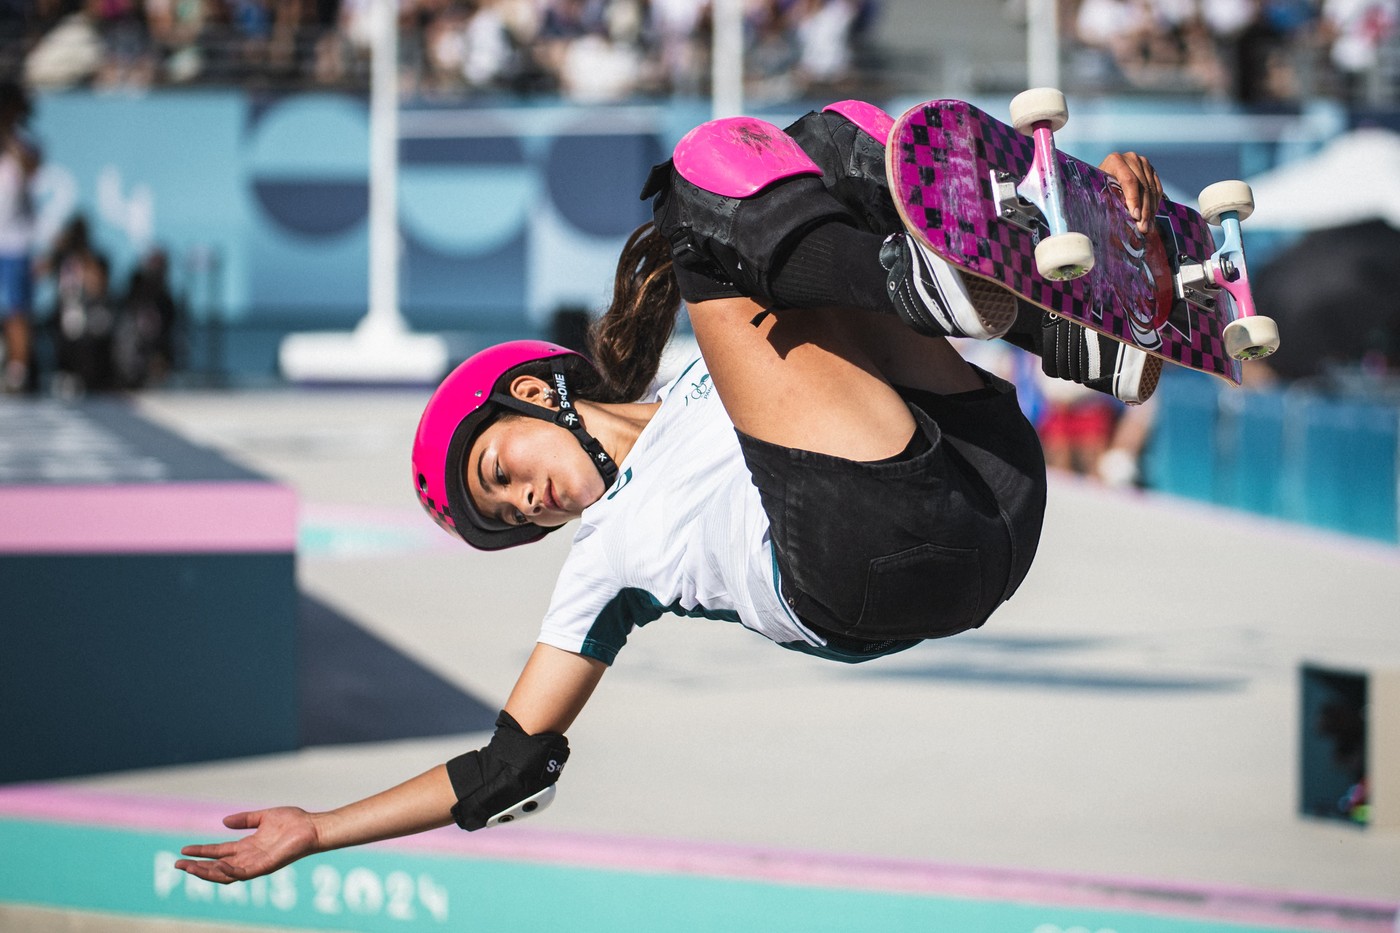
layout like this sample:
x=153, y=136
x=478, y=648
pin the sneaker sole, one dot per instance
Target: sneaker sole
x=995, y=305
x=965, y=305
x=1137, y=379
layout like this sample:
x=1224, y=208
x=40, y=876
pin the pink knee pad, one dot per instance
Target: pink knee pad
x=739, y=156
x=866, y=116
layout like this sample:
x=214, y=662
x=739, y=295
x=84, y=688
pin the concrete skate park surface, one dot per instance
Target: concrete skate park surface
x=1118, y=747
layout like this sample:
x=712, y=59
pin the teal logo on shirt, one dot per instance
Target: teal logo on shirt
x=622, y=481
x=699, y=391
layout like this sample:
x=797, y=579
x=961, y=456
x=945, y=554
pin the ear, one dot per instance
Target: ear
x=533, y=390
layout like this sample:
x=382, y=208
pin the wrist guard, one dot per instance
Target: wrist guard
x=512, y=776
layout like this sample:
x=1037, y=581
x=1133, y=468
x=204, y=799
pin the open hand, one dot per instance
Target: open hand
x=1142, y=189
x=281, y=836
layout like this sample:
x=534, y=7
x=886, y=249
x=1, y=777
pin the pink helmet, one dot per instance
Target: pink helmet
x=470, y=396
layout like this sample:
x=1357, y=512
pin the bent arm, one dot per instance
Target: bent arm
x=552, y=689
x=548, y=696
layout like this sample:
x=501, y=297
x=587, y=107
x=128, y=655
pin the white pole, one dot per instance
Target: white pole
x=727, y=59
x=380, y=349
x=1043, y=43
x=384, y=170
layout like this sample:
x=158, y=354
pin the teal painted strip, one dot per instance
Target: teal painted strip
x=68, y=866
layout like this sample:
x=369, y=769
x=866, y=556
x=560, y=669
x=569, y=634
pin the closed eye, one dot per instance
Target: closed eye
x=515, y=517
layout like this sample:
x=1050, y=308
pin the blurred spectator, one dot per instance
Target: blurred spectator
x=1253, y=50
x=487, y=51
x=1356, y=31
x=82, y=320
x=176, y=28
x=127, y=58
x=824, y=29
x=69, y=54
x=144, y=343
x=1115, y=26
x=1076, y=425
x=773, y=52
x=679, y=28
x=19, y=160
x=596, y=69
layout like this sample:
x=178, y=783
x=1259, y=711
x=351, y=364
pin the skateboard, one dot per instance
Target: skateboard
x=1001, y=202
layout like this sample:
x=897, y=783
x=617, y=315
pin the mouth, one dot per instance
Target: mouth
x=550, y=500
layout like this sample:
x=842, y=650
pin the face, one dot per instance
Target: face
x=522, y=470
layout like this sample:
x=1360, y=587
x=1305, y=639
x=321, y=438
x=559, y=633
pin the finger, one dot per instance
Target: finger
x=209, y=850
x=247, y=820
x=1130, y=181
x=217, y=872
x=1153, y=190
x=1142, y=189
x=1151, y=186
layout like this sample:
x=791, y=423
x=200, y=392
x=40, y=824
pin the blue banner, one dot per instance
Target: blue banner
x=505, y=214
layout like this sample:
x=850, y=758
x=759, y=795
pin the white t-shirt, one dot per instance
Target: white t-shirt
x=16, y=214
x=682, y=530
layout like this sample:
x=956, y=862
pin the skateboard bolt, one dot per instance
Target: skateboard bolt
x=1227, y=269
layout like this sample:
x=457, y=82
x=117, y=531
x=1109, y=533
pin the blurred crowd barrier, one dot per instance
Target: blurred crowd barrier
x=1253, y=51
x=582, y=49
x=1319, y=456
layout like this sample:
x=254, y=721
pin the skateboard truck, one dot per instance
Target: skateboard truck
x=1064, y=254
x=1249, y=336
x=1013, y=208
x=1196, y=282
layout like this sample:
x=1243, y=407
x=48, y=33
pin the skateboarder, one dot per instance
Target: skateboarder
x=822, y=475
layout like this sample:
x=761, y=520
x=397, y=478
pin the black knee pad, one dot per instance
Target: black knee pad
x=851, y=154
x=729, y=243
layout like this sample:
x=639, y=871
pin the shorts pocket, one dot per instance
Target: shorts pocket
x=927, y=591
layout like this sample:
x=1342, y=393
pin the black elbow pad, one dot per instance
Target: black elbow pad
x=512, y=768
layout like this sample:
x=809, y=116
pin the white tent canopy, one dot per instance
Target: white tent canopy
x=1354, y=178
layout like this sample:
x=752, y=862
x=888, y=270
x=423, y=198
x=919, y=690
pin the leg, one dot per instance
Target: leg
x=1071, y=351
x=820, y=380
x=925, y=546
x=747, y=212
x=17, y=347
x=15, y=302
x=847, y=141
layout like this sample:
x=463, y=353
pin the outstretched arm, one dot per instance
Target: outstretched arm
x=549, y=695
x=282, y=835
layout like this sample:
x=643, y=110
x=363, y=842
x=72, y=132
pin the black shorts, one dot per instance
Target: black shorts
x=921, y=547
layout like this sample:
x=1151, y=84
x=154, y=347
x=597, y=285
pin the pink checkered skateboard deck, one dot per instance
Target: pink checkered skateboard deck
x=950, y=168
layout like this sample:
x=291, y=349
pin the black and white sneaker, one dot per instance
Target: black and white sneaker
x=935, y=299
x=1073, y=351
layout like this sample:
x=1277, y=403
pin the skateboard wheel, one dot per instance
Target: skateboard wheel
x=1251, y=338
x=1038, y=105
x=1225, y=196
x=1064, y=256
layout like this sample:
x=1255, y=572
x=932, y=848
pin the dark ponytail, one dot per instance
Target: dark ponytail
x=627, y=341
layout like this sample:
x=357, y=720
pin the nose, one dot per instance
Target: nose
x=530, y=501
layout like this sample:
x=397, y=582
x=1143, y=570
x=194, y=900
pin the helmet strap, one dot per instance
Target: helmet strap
x=568, y=418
